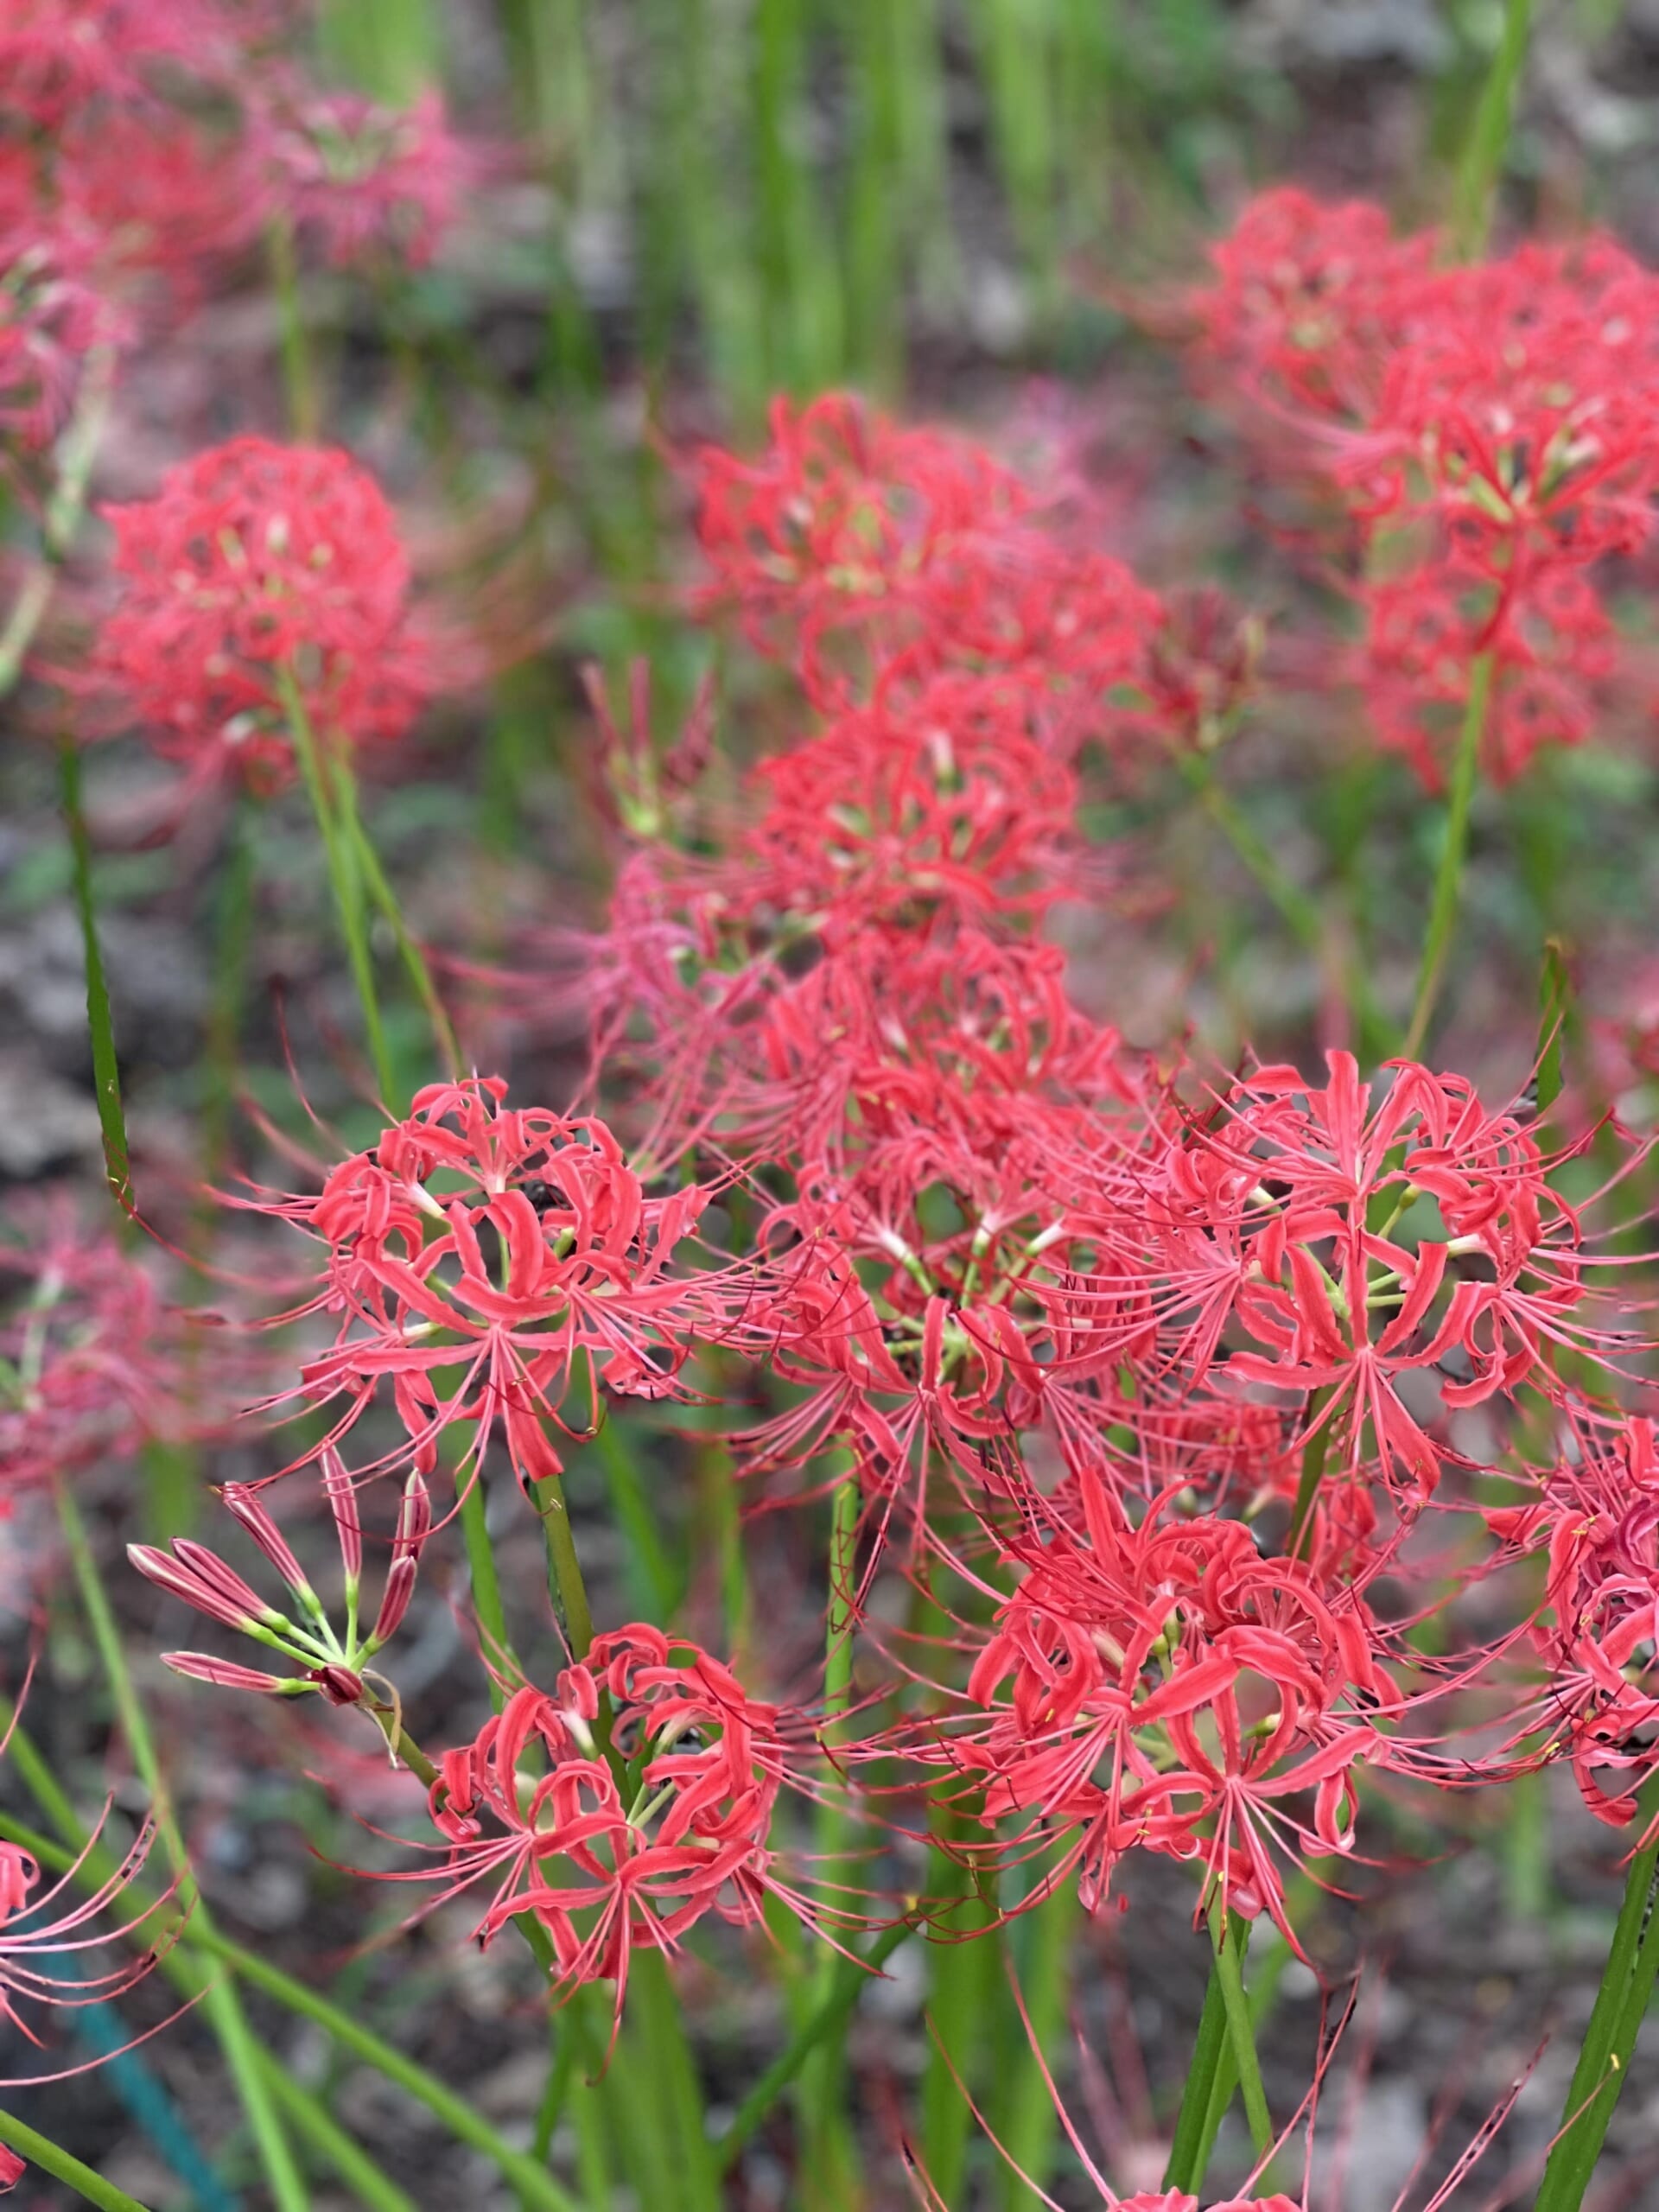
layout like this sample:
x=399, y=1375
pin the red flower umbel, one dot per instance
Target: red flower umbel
x=262, y=575
x=360, y=179
x=620, y=1810
x=492, y=1261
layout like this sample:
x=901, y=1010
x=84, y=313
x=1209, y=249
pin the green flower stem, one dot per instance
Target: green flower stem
x=312, y=2119
x=1242, y=2036
x=414, y=960
x=827, y=2020
x=675, y=2105
x=1264, y=1994
x=1031, y=2123
x=1303, y=914
x=1448, y=882
x=299, y=376
x=824, y=2078
x=1482, y=159
x=566, y=1585
x=221, y=2004
x=1315, y=1451
x=964, y=1969
x=1621, y=2004
x=486, y=1582
x=1183, y=2169
x=1240, y=2030
x=63, y=2165
x=106, y=1068
x=345, y=878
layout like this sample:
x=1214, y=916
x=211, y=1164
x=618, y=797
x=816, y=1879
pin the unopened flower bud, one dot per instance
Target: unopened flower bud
x=244, y=1501
x=224, y=1674
x=341, y=1494
x=339, y=1685
x=203, y=1580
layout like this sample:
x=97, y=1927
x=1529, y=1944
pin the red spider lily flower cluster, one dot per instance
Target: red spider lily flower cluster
x=499, y=1265
x=617, y=1812
x=357, y=180
x=1493, y=431
x=1172, y=1377
x=91, y=1359
x=145, y=144
x=262, y=581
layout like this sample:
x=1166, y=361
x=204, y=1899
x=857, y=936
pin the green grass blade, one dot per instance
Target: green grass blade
x=106, y=1068
x=1488, y=138
x=63, y=2165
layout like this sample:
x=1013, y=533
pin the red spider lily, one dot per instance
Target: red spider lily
x=1552, y=654
x=256, y=566
x=331, y=1663
x=856, y=541
x=61, y=1922
x=49, y=322
x=1302, y=1216
x=359, y=180
x=941, y=803
x=844, y=522
x=1598, y=1630
x=1309, y=300
x=489, y=1260
x=89, y=1354
x=620, y=1810
x=55, y=55
x=1170, y=1688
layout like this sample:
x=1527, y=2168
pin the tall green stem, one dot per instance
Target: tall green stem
x=344, y=878
x=824, y=2078
x=1448, y=882
x=1488, y=139
x=1240, y=2030
x=63, y=2165
x=414, y=960
x=1197, y=2121
x=299, y=376
x=1031, y=2123
x=221, y=2003
x=106, y=1068
x=1615, y=2020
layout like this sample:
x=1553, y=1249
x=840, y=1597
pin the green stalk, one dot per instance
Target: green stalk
x=1488, y=139
x=674, y=2105
x=1030, y=2123
x=106, y=1068
x=565, y=1584
x=1189, y=2150
x=1263, y=1996
x=1621, y=2004
x=63, y=2165
x=299, y=375
x=1448, y=882
x=1315, y=1451
x=414, y=960
x=663, y=1585
x=221, y=2005
x=345, y=881
x=824, y=2078
x=1240, y=2032
x=963, y=1971
x=486, y=1582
